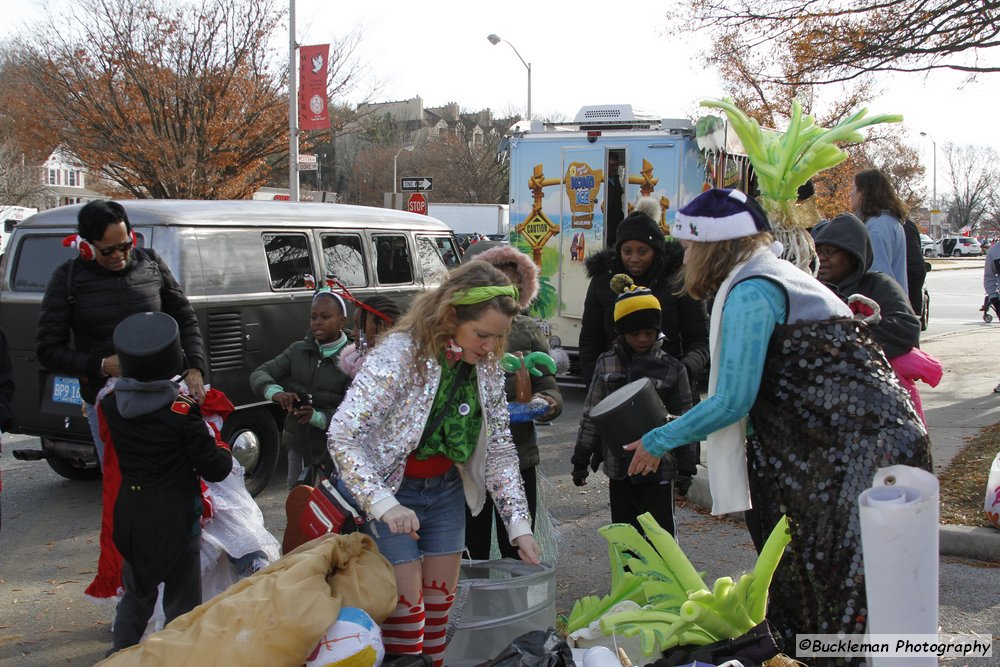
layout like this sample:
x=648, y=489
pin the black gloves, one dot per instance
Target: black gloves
x=682, y=483
x=580, y=476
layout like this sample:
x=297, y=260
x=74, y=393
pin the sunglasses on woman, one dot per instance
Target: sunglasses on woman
x=118, y=247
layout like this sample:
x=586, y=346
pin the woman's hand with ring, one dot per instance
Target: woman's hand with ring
x=402, y=520
x=642, y=462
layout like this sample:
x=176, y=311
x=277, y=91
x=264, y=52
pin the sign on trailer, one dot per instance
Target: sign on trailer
x=416, y=184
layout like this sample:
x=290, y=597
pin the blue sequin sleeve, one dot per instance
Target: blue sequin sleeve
x=752, y=309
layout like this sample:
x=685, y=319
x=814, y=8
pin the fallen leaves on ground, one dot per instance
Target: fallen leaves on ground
x=963, y=482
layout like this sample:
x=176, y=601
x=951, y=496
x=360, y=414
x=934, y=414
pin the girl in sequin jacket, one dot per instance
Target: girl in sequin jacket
x=412, y=466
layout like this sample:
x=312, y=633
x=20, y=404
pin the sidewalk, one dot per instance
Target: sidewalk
x=956, y=409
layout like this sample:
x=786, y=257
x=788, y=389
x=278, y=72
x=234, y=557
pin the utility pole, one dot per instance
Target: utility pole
x=293, y=108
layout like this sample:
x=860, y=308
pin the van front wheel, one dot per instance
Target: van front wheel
x=253, y=437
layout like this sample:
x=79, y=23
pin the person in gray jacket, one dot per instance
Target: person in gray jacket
x=991, y=284
x=845, y=254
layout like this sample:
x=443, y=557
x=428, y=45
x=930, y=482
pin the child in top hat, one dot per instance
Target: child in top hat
x=162, y=445
x=637, y=352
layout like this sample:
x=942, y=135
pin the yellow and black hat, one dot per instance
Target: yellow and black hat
x=636, y=307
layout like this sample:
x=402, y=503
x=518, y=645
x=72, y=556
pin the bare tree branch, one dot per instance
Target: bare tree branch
x=841, y=40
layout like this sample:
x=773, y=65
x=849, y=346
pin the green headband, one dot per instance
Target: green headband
x=473, y=295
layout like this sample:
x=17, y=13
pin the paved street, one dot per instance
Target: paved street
x=48, y=543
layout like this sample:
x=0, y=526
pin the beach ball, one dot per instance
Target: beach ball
x=353, y=640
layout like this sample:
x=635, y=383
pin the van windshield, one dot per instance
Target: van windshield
x=37, y=257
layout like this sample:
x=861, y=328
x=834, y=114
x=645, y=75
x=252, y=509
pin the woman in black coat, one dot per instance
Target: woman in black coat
x=643, y=253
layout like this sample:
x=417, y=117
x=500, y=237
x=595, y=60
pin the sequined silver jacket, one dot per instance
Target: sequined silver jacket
x=383, y=415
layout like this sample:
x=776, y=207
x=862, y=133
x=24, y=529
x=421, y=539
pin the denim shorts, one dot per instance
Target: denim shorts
x=439, y=503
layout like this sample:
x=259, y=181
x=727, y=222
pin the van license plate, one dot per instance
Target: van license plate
x=66, y=390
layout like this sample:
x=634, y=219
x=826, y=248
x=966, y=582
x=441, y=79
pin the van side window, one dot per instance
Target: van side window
x=37, y=257
x=437, y=254
x=392, y=259
x=288, y=260
x=344, y=259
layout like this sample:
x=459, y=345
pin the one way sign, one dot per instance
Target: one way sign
x=416, y=184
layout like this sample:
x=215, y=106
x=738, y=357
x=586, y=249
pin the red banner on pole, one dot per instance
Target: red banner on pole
x=313, y=111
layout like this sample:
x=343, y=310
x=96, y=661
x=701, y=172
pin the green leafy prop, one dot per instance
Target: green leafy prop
x=785, y=161
x=678, y=606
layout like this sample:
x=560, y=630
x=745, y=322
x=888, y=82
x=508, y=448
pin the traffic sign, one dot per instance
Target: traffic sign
x=417, y=203
x=307, y=162
x=416, y=184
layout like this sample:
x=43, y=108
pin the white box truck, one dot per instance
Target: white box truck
x=10, y=216
x=488, y=219
x=558, y=192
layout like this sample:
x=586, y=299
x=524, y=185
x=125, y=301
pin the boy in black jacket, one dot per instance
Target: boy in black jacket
x=162, y=445
x=636, y=353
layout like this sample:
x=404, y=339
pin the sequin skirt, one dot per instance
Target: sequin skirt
x=829, y=414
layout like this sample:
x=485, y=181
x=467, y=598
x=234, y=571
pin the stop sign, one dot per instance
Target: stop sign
x=417, y=203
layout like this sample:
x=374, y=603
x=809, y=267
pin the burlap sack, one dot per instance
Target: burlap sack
x=276, y=616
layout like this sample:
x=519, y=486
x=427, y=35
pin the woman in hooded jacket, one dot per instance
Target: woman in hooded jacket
x=845, y=252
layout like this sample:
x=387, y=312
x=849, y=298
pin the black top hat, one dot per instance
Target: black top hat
x=149, y=347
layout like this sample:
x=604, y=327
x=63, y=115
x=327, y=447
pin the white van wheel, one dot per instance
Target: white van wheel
x=253, y=436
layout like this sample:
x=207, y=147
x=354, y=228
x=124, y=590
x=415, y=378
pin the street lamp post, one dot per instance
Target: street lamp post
x=395, y=181
x=494, y=40
x=934, y=205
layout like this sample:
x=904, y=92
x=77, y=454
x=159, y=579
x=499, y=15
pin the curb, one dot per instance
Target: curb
x=975, y=543
x=953, y=264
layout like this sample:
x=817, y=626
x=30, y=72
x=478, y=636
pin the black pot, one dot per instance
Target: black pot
x=627, y=414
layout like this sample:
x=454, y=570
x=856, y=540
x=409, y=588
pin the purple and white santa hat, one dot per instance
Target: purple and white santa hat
x=720, y=215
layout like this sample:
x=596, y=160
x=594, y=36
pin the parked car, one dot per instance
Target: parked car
x=958, y=246
x=928, y=246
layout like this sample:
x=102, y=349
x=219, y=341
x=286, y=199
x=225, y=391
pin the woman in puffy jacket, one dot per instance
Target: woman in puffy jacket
x=89, y=295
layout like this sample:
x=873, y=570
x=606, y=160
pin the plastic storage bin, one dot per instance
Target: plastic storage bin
x=496, y=602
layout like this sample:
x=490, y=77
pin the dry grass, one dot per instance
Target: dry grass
x=963, y=483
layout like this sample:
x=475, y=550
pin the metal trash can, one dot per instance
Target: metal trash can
x=496, y=602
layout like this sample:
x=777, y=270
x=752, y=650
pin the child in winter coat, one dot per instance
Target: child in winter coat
x=307, y=382
x=637, y=352
x=162, y=445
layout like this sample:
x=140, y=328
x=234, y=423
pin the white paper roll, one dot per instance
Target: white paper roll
x=600, y=656
x=899, y=539
x=886, y=495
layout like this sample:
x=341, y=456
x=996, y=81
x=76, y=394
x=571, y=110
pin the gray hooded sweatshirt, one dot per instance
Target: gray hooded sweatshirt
x=899, y=330
x=136, y=398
